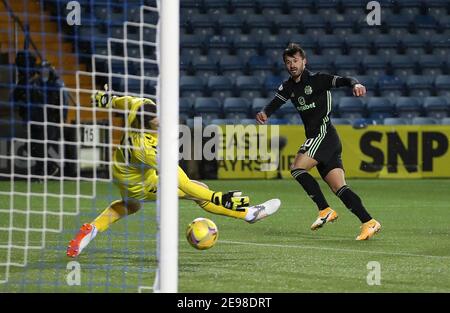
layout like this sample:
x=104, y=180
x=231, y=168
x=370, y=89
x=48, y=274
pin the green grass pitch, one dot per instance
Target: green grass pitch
x=279, y=254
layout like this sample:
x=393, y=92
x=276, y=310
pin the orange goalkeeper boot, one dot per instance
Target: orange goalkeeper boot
x=86, y=233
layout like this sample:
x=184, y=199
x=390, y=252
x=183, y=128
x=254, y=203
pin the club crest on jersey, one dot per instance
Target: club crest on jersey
x=308, y=90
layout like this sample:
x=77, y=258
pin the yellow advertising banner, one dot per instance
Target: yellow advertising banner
x=383, y=151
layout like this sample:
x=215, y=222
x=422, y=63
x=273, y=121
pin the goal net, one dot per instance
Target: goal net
x=56, y=160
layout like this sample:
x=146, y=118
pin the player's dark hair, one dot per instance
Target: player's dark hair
x=145, y=114
x=292, y=49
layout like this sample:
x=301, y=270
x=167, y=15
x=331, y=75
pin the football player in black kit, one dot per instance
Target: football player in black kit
x=310, y=94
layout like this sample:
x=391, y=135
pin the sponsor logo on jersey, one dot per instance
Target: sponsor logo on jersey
x=303, y=106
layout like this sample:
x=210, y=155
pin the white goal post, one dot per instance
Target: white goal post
x=168, y=144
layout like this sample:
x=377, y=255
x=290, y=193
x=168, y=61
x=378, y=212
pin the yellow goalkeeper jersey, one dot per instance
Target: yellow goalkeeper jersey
x=135, y=160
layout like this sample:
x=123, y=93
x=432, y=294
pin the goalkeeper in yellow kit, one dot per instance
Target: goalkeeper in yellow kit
x=135, y=173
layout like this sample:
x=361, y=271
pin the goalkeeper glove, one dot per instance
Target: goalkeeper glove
x=101, y=98
x=232, y=200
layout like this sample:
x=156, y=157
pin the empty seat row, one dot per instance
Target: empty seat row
x=379, y=107
x=347, y=108
x=275, y=23
x=254, y=86
x=356, y=122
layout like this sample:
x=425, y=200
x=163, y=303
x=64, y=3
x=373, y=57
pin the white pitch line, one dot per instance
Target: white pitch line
x=333, y=249
x=288, y=246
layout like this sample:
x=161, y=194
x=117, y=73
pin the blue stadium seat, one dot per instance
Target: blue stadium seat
x=420, y=86
x=249, y=87
x=319, y=63
x=208, y=108
x=247, y=45
x=351, y=107
x=202, y=24
x=191, y=86
x=397, y=21
x=374, y=65
x=271, y=83
x=134, y=86
x=231, y=65
x=442, y=85
x=100, y=47
x=331, y=45
x=336, y=95
x=118, y=84
x=220, y=87
x=243, y=4
x=354, y=4
x=284, y=24
x=402, y=65
x=230, y=24
x=194, y=44
x=436, y=107
x=445, y=121
x=205, y=66
x=236, y=108
x=396, y=121
x=289, y=113
x=295, y=4
x=357, y=44
x=185, y=64
x=413, y=44
x=380, y=107
x=258, y=104
x=270, y=7
x=186, y=109
x=246, y=121
x=364, y=122
x=313, y=22
x=425, y=22
x=341, y=121
x=274, y=45
x=408, y=107
x=150, y=87
x=118, y=66
x=444, y=22
x=277, y=121
x=305, y=41
x=391, y=86
x=347, y=65
x=440, y=44
x=151, y=69
x=386, y=44
x=224, y=121
x=369, y=82
x=260, y=65
x=257, y=24
x=338, y=21
x=219, y=45
x=424, y=121
x=116, y=32
x=431, y=65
